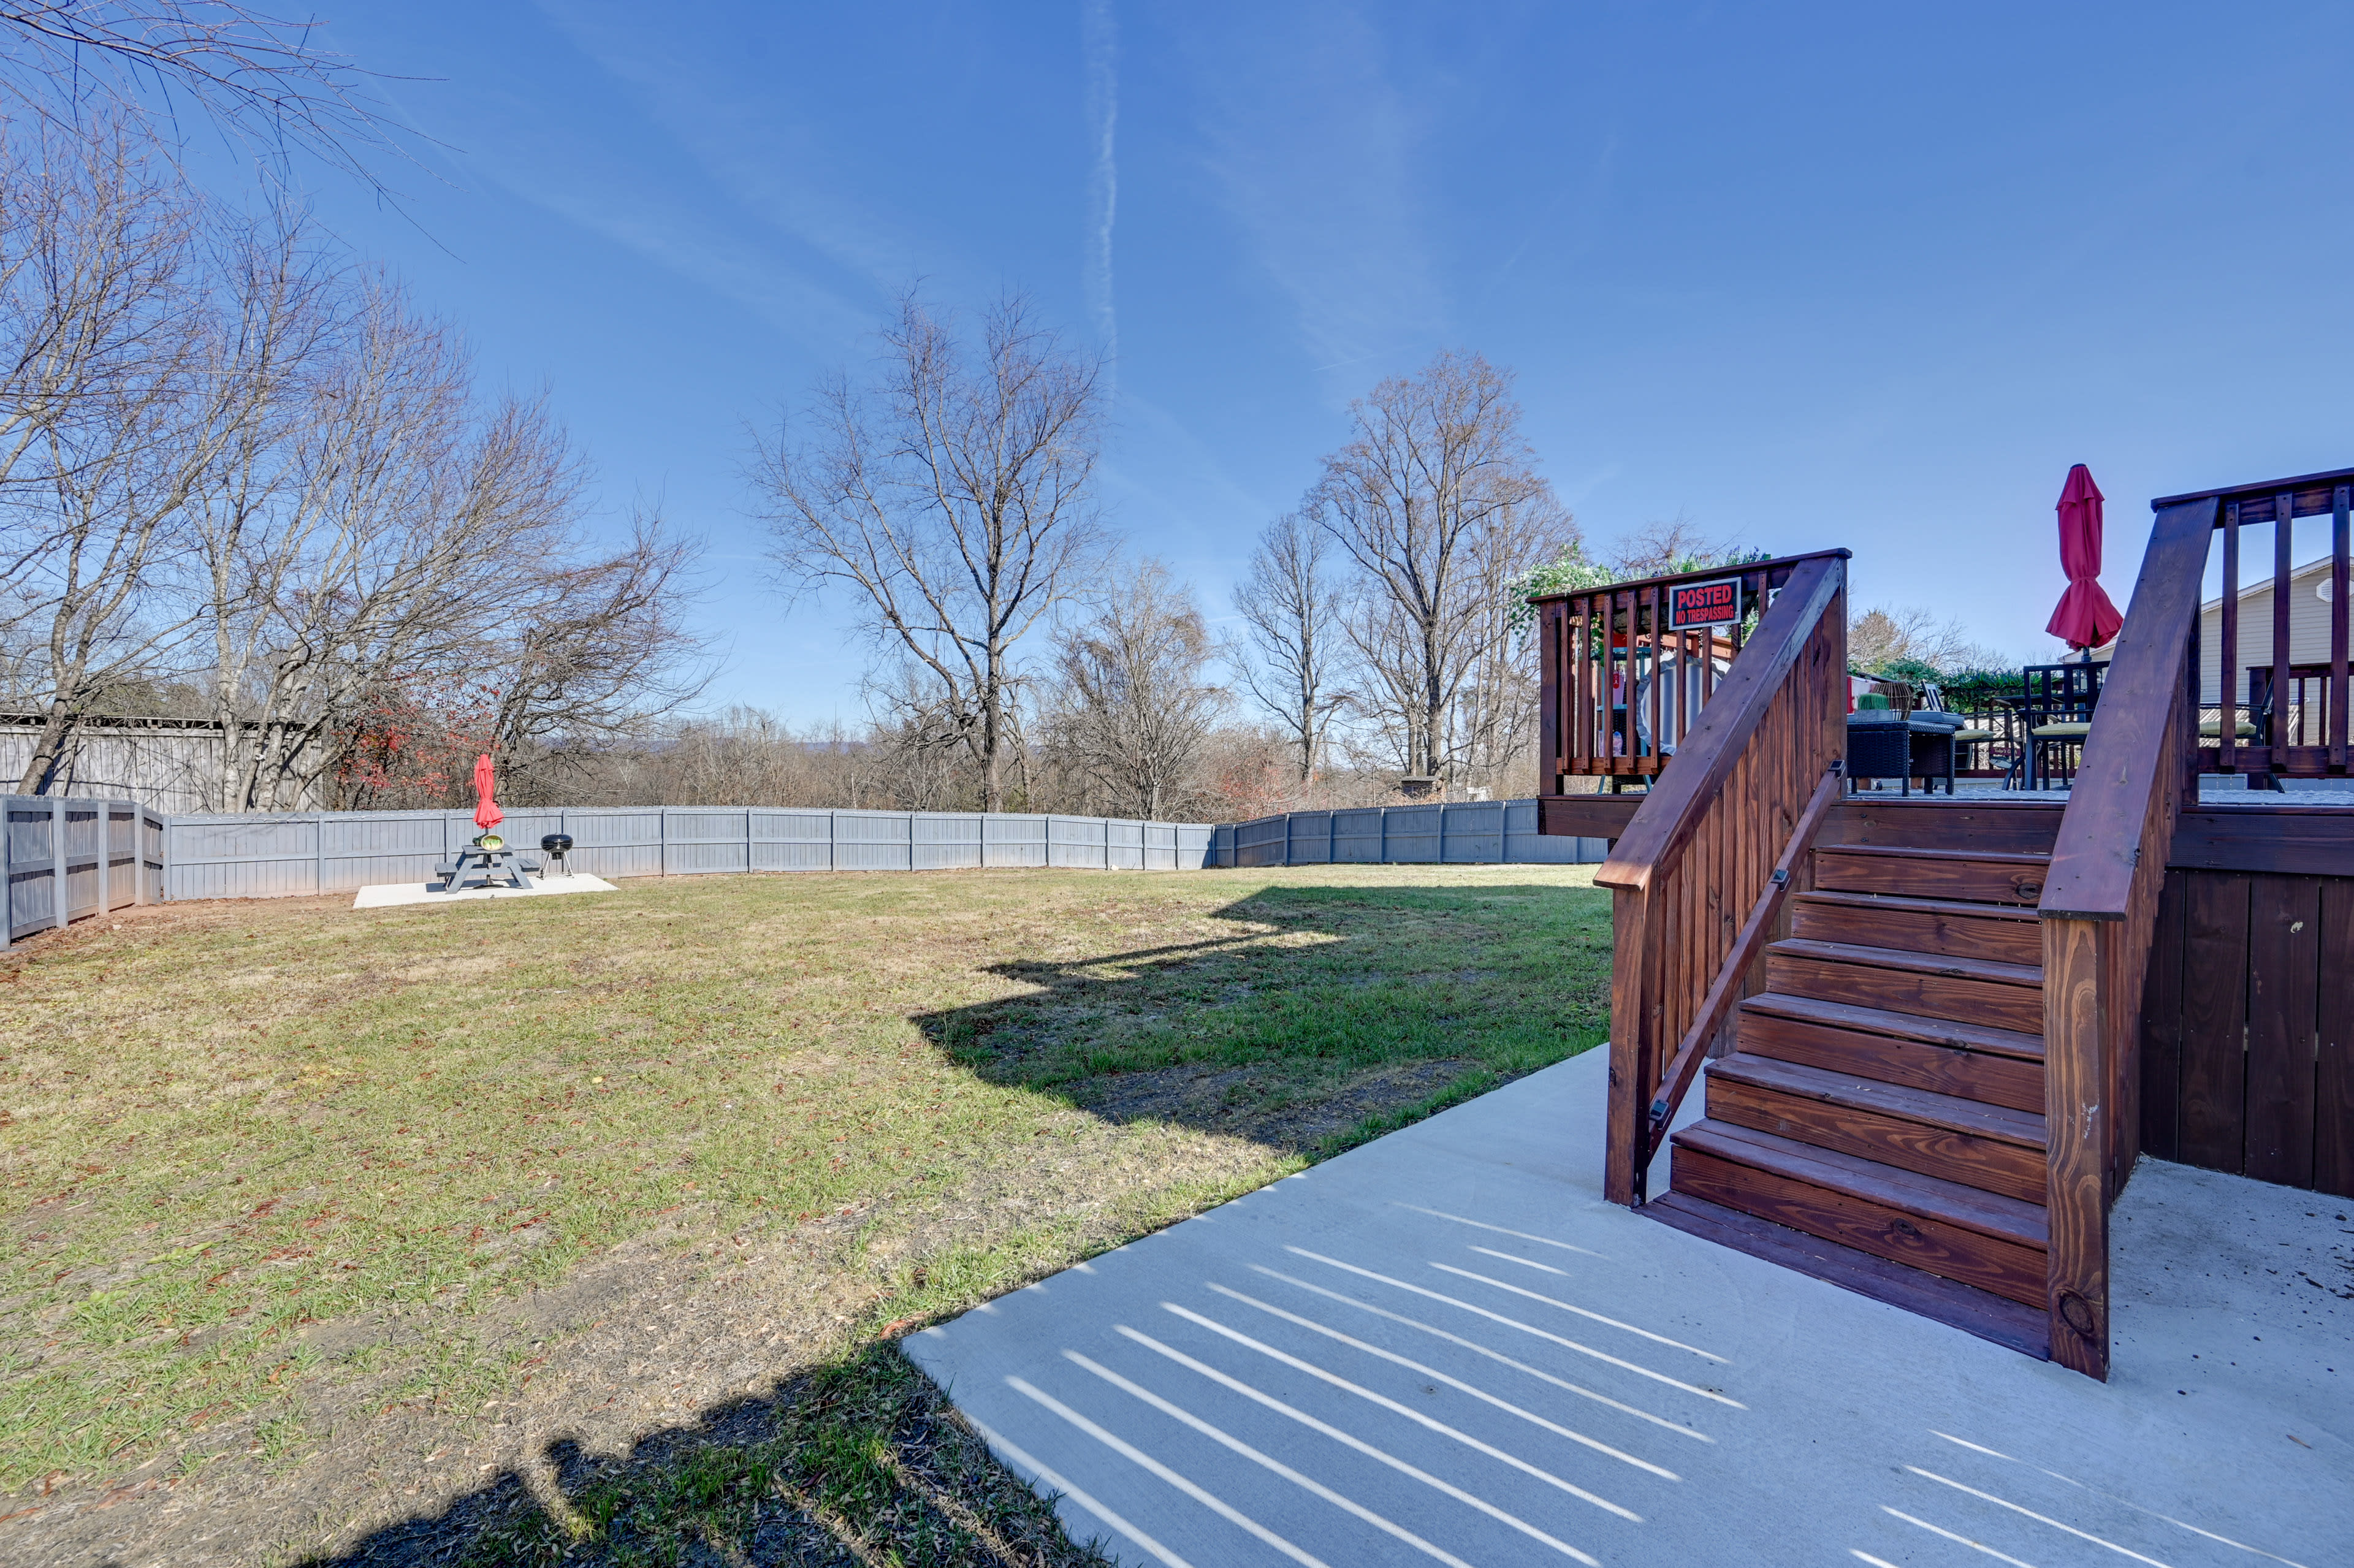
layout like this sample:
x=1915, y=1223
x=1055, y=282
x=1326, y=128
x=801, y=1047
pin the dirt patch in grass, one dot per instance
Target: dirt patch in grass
x=523, y=1229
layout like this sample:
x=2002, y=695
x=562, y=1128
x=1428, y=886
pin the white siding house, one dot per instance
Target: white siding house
x=2309, y=629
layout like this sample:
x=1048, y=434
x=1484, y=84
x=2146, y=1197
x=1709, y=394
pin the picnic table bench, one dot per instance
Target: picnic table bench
x=485, y=867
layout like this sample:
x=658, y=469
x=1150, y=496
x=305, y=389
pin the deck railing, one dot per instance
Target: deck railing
x=1626, y=677
x=2293, y=698
x=2100, y=898
x=1699, y=852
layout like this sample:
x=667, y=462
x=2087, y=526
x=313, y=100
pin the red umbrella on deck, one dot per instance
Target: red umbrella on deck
x=487, y=815
x=2085, y=617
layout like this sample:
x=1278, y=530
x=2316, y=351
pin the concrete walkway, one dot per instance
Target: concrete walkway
x=1444, y=1347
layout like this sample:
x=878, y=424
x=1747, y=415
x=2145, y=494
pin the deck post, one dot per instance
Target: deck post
x=2075, y=1113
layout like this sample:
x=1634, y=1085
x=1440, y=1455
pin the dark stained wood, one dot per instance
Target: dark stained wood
x=2341, y=506
x=1937, y=1135
x=1988, y=1214
x=1958, y=1036
x=2311, y=493
x=2333, y=1088
x=1991, y=878
x=2076, y=1102
x=1696, y=855
x=1552, y=661
x=1925, y=925
x=1674, y=810
x=1585, y=816
x=1900, y=989
x=2283, y=564
x=2214, y=1104
x=2007, y=1323
x=2290, y=839
x=1633, y=1024
x=1790, y=1035
x=2161, y=1040
x=1955, y=1113
x=1946, y=823
x=1732, y=979
x=2228, y=652
x=1994, y=971
x=2284, y=939
x=1803, y=1188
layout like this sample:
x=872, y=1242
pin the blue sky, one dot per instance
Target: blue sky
x=1819, y=275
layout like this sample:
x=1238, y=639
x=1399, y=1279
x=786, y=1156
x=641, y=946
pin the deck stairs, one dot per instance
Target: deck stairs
x=1881, y=1122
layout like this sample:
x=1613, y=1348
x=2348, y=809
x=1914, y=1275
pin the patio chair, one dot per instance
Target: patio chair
x=2058, y=716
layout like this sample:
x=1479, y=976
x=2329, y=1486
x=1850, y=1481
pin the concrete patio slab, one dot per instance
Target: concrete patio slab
x=1444, y=1347
x=384, y=895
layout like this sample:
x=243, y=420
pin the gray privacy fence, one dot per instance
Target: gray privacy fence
x=70, y=858
x=66, y=859
x=1458, y=832
x=333, y=851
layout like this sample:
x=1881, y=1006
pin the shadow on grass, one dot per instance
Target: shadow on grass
x=1318, y=1015
x=1307, y=1018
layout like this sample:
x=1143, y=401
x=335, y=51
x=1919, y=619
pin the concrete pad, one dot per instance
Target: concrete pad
x=1444, y=1347
x=384, y=894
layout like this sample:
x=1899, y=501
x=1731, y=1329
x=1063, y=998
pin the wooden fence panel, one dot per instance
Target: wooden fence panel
x=2284, y=929
x=2248, y=1028
x=2333, y=1076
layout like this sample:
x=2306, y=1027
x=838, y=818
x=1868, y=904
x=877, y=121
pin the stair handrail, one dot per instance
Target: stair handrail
x=2099, y=912
x=1725, y=990
x=1687, y=791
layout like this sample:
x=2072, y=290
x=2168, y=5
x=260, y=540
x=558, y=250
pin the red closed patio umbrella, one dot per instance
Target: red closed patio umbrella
x=2084, y=618
x=487, y=815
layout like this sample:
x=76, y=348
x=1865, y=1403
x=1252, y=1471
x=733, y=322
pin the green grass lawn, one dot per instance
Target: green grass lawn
x=230, y=1129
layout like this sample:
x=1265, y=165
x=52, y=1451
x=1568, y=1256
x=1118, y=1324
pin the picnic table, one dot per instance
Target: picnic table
x=478, y=867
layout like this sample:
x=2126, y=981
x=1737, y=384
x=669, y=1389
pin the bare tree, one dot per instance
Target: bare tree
x=1661, y=548
x=954, y=500
x=1133, y=700
x=1883, y=635
x=265, y=82
x=394, y=572
x=1291, y=603
x=1437, y=501
x=111, y=410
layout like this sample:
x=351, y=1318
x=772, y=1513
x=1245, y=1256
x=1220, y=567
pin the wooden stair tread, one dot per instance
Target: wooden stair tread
x=1909, y=960
x=2007, y=1323
x=1974, y=1117
x=1869, y=1182
x=1953, y=907
x=1907, y=851
x=1904, y=1025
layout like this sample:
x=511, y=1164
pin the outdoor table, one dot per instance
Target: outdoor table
x=1905, y=749
x=488, y=868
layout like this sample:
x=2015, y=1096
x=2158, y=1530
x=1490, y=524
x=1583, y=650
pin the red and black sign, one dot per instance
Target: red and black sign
x=1714, y=603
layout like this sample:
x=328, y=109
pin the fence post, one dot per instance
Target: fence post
x=7, y=872
x=57, y=860
x=105, y=858
x=661, y=833
x=319, y=854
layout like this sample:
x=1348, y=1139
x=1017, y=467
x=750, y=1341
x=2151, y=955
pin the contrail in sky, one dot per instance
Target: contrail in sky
x=1100, y=44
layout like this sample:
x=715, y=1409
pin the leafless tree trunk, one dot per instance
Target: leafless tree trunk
x=954, y=500
x=1437, y=501
x=1133, y=701
x=1292, y=604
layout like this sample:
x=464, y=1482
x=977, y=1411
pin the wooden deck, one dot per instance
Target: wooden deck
x=1939, y=1031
